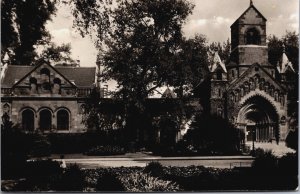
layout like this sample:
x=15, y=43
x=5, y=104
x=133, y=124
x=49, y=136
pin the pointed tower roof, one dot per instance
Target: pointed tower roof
x=251, y=6
x=284, y=63
x=217, y=62
x=168, y=93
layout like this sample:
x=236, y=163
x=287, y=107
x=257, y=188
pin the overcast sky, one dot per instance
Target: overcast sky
x=212, y=18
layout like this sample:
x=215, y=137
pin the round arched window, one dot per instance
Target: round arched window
x=62, y=120
x=45, y=119
x=28, y=120
x=252, y=36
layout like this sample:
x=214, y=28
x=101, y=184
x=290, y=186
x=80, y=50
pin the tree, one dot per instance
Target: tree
x=275, y=48
x=190, y=68
x=57, y=54
x=140, y=55
x=92, y=17
x=23, y=27
x=222, y=48
x=99, y=115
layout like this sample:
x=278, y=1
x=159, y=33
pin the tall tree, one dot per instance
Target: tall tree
x=60, y=53
x=92, y=17
x=190, y=66
x=23, y=27
x=140, y=55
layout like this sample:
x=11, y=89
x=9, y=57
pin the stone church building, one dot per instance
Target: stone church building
x=248, y=90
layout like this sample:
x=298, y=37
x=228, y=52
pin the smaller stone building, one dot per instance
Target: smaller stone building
x=44, y=97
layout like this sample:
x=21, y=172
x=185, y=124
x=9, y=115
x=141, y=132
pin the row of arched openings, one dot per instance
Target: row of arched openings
x=45, y=120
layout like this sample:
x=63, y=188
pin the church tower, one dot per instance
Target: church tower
x=255, y=102
x=248, y=43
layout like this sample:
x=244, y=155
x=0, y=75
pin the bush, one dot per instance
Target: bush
x=292, y=139
x=213, y=135
x=288, y=164
x=39, y=176
x=42, y=168
x=72, y=179
x=40, y=146
x=105, y=150
x=154, y=169
x=265, y=162
x=80, y=142
x=141, y=182
x=109, y=182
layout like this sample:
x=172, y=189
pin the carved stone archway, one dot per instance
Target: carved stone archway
x=258, y=119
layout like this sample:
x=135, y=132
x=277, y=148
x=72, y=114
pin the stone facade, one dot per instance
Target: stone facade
x=46, y=98
x=247, y=91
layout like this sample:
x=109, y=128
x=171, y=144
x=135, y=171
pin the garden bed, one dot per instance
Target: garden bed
x=267, y=173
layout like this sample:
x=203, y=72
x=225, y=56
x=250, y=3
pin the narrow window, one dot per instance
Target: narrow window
x=62, y=120
x=219, y=75
x=28, y=120
x=45, y=120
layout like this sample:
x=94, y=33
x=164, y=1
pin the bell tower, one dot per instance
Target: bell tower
x=248, y=42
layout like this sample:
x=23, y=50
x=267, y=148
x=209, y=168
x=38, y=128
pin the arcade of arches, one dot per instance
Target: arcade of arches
x=44, y=117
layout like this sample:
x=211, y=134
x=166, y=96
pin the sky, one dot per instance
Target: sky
x=212, y=18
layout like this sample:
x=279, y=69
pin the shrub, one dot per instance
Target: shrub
x=40, y=146
x=39, y=175
x=72, y=179
x=141, y=182
x=105, y=150
x=42, y=168
x=81, y=142
x=154, y=169
x=265, y=162
x=213, y=135
x=109, y=182
x=288, y=164
x=292, y=139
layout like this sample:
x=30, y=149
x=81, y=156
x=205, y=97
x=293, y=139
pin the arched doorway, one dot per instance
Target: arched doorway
x=45, y=119
x=259, y=120
x=62, y=120
x=28, y=120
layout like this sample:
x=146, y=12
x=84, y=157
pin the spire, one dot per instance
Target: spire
x=283, y=48
x=216, y=61
x=251, y=2
x=284, y=64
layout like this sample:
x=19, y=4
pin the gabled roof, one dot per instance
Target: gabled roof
x=76, y=76
x=284, y=63
x=217, y=62
x=236, y=81
x=14, y=73
x=250, y=7
x=82, y=76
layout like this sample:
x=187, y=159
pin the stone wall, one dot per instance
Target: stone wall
x=72, y=106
